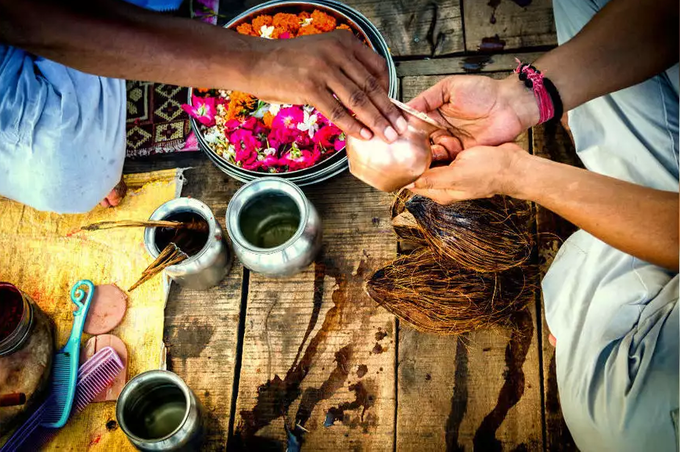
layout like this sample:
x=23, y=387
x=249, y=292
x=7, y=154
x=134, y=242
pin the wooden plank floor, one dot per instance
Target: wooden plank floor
x=313, y=353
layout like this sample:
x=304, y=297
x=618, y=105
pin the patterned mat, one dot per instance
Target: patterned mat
x=156, y=123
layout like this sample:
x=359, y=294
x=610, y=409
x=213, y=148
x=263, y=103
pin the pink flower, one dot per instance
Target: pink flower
x=202, y=109
x=297, y=159
x=330, y=138
x=288, y=118
x=285, y=35
x=246, y=145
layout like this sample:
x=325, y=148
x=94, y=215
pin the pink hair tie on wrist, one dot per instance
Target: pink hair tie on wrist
x=542, y=87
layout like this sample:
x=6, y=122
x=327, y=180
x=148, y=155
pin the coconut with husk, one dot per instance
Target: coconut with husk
x=467, y=270
x=448, y=299
x=485, y=235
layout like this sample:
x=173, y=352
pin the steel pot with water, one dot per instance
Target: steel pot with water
x=274, y=228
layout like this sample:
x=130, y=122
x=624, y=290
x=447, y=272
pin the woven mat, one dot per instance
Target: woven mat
x=41, y=256
x=156, y=123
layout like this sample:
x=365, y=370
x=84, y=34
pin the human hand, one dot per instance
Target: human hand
x=481, y=110
x=477, y=172
x=312, y=69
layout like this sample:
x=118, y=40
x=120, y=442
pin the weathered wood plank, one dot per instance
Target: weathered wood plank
x=201, y=326
x=503, y=25
x=317, y=351
x=470, y=64
x=413, y=28
x=479, y=391
x=552, y=141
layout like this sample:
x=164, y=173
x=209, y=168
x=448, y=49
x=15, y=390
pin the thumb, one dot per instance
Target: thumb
x=439, y=178
x=429, y=100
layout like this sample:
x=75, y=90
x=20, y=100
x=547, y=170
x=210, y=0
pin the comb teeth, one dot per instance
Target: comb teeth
x=60, y=378
x=94, y=376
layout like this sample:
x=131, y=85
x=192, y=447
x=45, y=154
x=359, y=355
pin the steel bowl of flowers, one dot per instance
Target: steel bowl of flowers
x=248, y=138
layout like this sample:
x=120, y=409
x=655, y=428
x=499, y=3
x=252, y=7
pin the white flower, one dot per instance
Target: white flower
x=309, y=124
x=269, y=151
x=274, y=109
x=308, y=108
x=213, y=135
x=231, y=151
x=266, y=31
x=306, y=21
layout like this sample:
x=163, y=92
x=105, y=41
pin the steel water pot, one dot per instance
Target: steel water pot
x=157, y=411
x=274, y=228
x=205, y=268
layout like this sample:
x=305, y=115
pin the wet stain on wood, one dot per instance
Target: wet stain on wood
x=475, y=63
x=188, y=340
x=513, y=387
x=378, y=349
x=492, y=44
x=459, y=399
x=362, y=400
x=494, y=5
x=362, y=370
x=380, y=335
x=275, y=396
x=335, y=381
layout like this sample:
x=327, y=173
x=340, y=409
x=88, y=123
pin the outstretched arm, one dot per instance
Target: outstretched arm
x=112, y=38
x=637, y=220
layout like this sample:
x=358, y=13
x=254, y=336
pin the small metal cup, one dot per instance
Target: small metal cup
x=204, y=269
x=159, y=412
x=274, y=228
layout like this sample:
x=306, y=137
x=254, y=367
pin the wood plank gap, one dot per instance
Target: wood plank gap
x=239, y=353
x=462, y=22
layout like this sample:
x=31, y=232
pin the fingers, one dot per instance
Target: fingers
x=375, y=64
x=359, y=101
x=451, y=144
x=338, y=115
x=430, y=99
x=439, y=153
x=435, y=178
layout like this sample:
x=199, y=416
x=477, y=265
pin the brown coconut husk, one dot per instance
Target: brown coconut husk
x=484, y=235
x=450, y=299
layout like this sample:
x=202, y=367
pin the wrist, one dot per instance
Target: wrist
x=513, y=179
x=521, y=100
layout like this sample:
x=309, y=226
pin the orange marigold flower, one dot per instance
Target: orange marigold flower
x=290, y=22
x=202, y=90
x=323, y=21
x=246, y=29
x=309, y=30
x=268, y=119
x=344, y=27
x=239, y=105
x=304, y=15
x=261, y=21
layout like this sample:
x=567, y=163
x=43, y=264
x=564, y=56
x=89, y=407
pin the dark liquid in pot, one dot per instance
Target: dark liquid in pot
x=191, y=242
x=11, y=309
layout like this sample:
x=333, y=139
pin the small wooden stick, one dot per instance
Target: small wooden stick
x=170, y=255
x=103, y=225
x=13, y=399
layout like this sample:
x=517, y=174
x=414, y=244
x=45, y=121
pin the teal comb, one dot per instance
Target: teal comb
x=66, y=360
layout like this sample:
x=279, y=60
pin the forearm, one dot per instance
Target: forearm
x=97, y=37
x=638, y=220
x=627, y=42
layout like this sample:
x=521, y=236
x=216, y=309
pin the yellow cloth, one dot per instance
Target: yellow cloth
x=40, y=255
